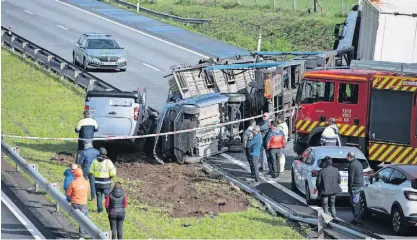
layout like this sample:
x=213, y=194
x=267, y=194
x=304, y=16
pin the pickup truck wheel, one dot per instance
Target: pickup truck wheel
x=235, y=97
x=191, y=109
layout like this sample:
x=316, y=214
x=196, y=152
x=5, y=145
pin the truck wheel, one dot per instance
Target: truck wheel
x=191, y=109
x=235, y=148
x=191, y=160
x=235, y=97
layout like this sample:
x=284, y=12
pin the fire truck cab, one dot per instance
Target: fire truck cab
x=375, y=111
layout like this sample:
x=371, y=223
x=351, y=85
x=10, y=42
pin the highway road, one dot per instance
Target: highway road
x=57, y=26
x=14, y=224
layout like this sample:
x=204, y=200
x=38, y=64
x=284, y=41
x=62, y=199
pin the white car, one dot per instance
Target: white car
x=305, y=169
x=392, y=191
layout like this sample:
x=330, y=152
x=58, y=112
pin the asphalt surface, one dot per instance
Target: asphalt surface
x=11, y=227
x=57, y=27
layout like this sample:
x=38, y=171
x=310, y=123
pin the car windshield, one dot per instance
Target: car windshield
x=102, y=44
x=315, y=91
x=342, y=163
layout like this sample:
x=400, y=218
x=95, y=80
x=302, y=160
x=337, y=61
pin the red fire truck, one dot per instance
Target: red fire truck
x=375, y=111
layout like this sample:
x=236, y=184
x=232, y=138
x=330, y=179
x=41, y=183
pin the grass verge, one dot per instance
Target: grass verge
x=282, y=29
x=38, y=104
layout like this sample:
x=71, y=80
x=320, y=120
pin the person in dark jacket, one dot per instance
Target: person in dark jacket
x=264, y=128
x=86, y=158
x=86, y=128
x=355, y=186
x=115, y=204
x=274, y=144
x=255, y=145
x=247, y=136
x=328, y=185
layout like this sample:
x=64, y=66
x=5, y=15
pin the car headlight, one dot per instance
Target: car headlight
x=122, y=59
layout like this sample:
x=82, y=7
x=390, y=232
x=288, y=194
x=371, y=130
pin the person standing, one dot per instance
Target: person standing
x=115, y=204
x=328, y=185
x=86, y=128
x=247, y=136
x=78, y=192
x=255, y=145
x=355, y=186
x=85, y=160
x=264, y=128
x=330, y=135
x=275, y=143
x=284, y=127
x=103, y=170
x=69, y=176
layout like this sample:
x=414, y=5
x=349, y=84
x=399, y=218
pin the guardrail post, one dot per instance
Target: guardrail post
x=2, y=34
x=12, y=43
x=35, y=167
x=56, y=186
x=61, y=67
x=24, y=44
x=323, y=220
x=49, y=61
x=16, y=150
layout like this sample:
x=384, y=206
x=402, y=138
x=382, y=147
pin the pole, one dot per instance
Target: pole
x=137, y=6
x=259, y=41
x=294, y=4
x=273, y=4
x=315, y=5
x=343, y=7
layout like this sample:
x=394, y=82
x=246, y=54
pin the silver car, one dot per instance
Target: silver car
x=99, y=51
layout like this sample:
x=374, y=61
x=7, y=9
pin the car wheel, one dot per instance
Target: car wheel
x=309, y=201
x=397, y=221
x=85, y=65
x=364, y=207
x=191, y=109
x=293, y=185
x=74, y=61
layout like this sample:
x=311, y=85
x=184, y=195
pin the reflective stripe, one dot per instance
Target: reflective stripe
x=103, y=182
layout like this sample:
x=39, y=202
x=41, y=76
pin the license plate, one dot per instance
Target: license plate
x=344, y=180
x=108, y=63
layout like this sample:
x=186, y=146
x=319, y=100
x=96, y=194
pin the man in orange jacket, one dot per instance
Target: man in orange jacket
x=78, y=191
x=275, y=144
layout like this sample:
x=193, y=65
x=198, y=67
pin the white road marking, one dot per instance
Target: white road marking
x=149, y=66
x=28, y=11
x=132, y=29
x=62, y=27
x=21, y=217
x=274, y=183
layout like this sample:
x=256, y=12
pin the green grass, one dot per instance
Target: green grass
x=39, y=104
x=283, y=29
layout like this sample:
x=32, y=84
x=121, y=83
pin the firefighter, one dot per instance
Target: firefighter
x=330, y=135
x=284, y=127
x=275, y=143
x=103, y=170
x=85, y=160
x=85, y=129
x=78, y=192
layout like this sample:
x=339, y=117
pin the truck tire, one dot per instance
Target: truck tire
x=235, y=97
x=191, y=160
x=191, y=109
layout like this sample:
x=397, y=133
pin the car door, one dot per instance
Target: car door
x=298, y=168
x=307, y=169
x=392, y=189
x=374, y=192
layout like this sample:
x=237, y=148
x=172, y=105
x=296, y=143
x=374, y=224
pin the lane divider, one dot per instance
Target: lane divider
x=144, y=136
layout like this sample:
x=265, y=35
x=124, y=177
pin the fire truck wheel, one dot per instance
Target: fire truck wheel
x=191, y=109
x=235, y=97
x=235, y=148
x=191, y=160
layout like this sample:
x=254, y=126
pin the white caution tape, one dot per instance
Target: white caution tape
x=144, y=136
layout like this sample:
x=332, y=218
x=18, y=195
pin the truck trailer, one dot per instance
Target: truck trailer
x=381, y=30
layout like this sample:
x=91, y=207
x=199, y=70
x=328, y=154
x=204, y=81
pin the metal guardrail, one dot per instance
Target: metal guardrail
x=51, y=61
x=159, y=14
x=48, y=187
x=336, y=225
